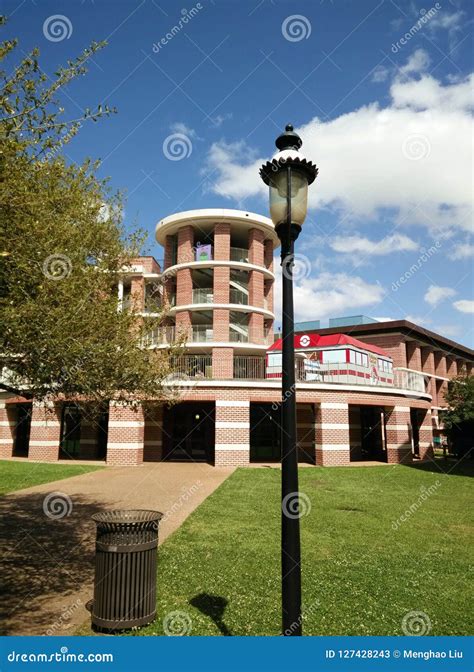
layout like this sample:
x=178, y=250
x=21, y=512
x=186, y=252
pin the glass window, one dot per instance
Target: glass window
x=352, y=356
x=330, y=356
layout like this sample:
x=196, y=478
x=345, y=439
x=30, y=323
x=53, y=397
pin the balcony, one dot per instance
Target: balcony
x=238, y=296
x=201, y=334
x=239, y=254
x=203, y=295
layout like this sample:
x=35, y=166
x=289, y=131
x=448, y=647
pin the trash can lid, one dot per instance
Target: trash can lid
x=128, y=516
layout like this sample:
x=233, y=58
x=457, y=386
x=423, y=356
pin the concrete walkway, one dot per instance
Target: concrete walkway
x=48, y=557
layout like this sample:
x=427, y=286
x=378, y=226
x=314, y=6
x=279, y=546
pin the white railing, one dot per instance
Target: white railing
x=239, y=254
x=204, y=295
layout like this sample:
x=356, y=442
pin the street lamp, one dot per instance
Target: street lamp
x=288, y=175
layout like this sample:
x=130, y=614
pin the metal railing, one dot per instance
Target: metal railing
x=201, y=334
x=249, y=367
x=239, y=254
x=238, y=296
x=193, y=366
x=203, y=295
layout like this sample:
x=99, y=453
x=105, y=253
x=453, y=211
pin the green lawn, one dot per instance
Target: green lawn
x=19, y=475
x=360, y=575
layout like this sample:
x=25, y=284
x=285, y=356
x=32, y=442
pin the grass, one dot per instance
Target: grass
x=19, y=475
x=360, y=575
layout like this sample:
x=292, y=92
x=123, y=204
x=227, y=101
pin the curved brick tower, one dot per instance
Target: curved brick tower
x=218, y=283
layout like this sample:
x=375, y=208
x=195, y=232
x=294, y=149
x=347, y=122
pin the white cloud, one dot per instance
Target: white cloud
x=421, y=320
x=387, y=245
x=418, y=62
x=462, y=251
x=449, y=330
x=452, y=23
x=412, y=157
x=436, y=294
x=329, y=295
x=464, y=306
x=219, y=119
x=180, y=127
x=380, y=74
x=384, y=319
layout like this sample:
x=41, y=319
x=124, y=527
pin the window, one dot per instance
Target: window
x=352, y=356
x=333, y=356
x=384, y=365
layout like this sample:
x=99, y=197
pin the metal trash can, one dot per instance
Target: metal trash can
x=125, y=569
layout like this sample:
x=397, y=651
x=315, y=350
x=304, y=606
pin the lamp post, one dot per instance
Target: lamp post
x=288, y=175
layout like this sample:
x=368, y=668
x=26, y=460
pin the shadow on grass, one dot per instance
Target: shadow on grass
x=45, y=561
x=451, y=465
x=214, y=607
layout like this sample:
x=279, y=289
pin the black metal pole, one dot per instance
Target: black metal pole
x=290, y=524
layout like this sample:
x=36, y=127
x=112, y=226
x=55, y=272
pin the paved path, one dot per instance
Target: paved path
x=48, y=563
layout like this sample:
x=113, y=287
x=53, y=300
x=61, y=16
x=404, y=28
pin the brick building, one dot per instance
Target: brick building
x=365, y=391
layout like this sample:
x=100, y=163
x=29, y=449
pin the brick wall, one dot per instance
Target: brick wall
x=332, y=434
x=413, y=355
x=125, y=435
x=391, y=343
x=223, y=363
x=256, y=247
x=397, y=433
x=232, y=433
x=222, y=241
x=45, y=434
x=8, y=413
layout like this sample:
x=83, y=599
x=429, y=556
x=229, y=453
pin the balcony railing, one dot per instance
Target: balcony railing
x=201, y=334
x=193, y=366
x=239, y=254
x=249, y=368
x=238, y=296
x=203, y=295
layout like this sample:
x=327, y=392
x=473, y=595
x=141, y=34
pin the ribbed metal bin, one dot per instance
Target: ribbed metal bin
x=125, y=569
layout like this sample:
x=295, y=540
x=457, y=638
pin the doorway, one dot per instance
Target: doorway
x=22, y=430
x=372, y=433
x=70, y=433
x=265, y=432
x=189, y=432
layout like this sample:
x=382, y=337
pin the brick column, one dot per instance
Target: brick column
x=305, y=433
x=220, y=325
x=222, y=241
x=397, y=432
x=184, y=279
x=428, y=368
x=268, y=254
x=153, y=433
x=137, y=293
x=256, y=328
x=426, y=436
x=332, y=434
x=256, y=247
x=413, y=355
x=223, y=363
x=221, y=285
x=8, y=417
x=168, y=279
x=232, y=433
x=45, y=434
x=355, y=432
x=125, y=435
x=440, y=363
x=451, y=369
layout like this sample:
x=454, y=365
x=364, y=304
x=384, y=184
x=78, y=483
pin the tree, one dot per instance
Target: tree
x=459, y=418
x=63, y=247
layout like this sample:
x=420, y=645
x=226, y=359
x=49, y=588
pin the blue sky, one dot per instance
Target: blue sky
x=378, y=90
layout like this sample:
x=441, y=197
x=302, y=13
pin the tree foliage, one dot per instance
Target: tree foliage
x=63, y=247
x=460, y=400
